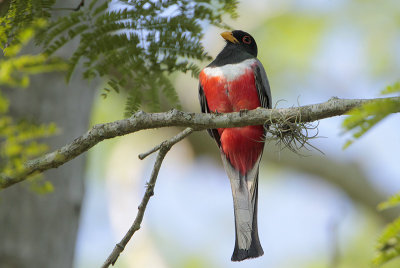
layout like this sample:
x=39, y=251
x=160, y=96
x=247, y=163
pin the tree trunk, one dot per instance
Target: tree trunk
x=40, y=230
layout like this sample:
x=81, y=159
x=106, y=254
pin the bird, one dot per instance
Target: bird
x=236, y=81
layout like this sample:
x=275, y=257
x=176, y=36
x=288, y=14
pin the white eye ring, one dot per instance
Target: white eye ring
x=246, y=39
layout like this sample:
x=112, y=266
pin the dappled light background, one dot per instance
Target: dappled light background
x=311, y=50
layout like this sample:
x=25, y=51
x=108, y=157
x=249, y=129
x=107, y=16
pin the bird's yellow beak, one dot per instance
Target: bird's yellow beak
x=228, y=36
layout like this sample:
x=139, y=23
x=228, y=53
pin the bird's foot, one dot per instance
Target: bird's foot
x=243, y=111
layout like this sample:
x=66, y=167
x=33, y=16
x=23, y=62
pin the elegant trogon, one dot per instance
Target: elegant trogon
x=236, y=81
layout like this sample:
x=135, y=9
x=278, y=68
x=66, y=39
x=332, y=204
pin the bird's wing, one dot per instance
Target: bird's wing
x=262, y=84
x=204, y=109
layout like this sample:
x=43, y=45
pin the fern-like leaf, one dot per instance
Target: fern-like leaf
x=393, y=201
x=362, y=119
x=388, y=246
x=134, y=45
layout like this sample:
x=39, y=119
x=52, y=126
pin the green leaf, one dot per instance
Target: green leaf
x=391, y=202
x=347, y=144
x=19, y=140
x=392, y=88
x=361, y=120
x=388, y=246
x=40, y=186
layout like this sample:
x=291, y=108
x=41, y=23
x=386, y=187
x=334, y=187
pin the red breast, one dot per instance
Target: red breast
x=232, y=88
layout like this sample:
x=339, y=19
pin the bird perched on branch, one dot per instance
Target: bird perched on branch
x=235, y=82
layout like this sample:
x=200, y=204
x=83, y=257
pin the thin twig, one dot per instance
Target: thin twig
x=186, y=132
x=163, y=150
x=152, y=150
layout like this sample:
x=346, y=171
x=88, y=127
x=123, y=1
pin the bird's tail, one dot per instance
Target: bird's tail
x=245, y=194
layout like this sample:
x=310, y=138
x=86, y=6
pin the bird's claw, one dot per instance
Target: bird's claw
x=243, y=111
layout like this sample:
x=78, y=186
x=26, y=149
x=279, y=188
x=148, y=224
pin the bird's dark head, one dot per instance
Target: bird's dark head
x=239, y=46
x=241, y=40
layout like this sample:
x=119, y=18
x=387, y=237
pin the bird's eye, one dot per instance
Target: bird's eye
x=246, y=39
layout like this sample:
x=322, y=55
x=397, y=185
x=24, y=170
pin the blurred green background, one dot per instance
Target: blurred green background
x=316, y=210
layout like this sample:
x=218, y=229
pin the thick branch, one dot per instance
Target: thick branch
x=197, y=121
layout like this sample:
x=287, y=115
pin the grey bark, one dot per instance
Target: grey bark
x=41, y=230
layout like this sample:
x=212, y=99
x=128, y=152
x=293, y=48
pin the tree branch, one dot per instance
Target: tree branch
x=163, y=150
x=196, y=121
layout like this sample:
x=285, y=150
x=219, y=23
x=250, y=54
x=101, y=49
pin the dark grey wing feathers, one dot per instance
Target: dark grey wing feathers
x=262, y=84
x=203, y=100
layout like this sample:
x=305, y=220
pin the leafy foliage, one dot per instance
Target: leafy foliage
x=388, y=246
x=135, y=45
x=391, y=202
x=20, y=15
x=15, y=70
x=19, y=139
x=395, y=88
x=362, y=119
